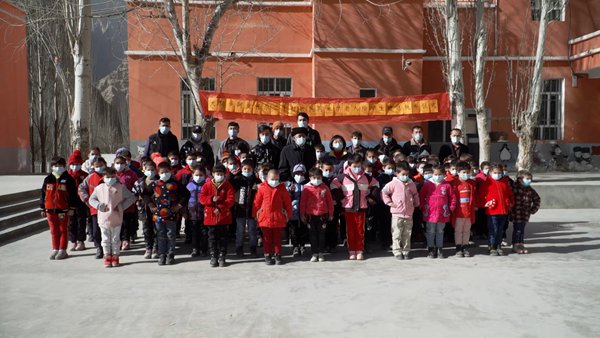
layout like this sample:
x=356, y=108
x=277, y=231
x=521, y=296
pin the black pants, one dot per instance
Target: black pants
x=129, y=226
x=96, y=234
x=384, y=221
x=149, y=232
x=217, y=239
x=318, y=226
x=480, y=228
x=77, y=224
x=298, y=233
x=418, y=229
x=331, y=233
x=199, y=235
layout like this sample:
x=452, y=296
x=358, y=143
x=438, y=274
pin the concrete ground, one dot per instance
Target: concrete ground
x=552, y=292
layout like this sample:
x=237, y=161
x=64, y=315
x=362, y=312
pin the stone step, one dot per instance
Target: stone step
x=23, y=230
x=569, y=196
x=19, y=197
x=21, y=217
x=10, y=209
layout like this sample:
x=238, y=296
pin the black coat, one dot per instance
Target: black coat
x=266, y=153
x=449, y=149
x=203, y=148
x=163, y=144
x=245, y=191
x=291, y=155
x=415, y=150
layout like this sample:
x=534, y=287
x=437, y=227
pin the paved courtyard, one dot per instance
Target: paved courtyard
x=552, y=292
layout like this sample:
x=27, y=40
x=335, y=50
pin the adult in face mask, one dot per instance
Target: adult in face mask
x=164, y=141
x=387, y=145
x=299, y=152
x=278, y=136
x=233, y=142
x=312, y=136
x=417, y=146
x=197, y=144
x=338, y=154
x=356, y=146
x=265, y=151
x=455, y=147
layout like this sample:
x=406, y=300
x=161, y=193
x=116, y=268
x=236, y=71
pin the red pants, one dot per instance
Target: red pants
x=355, y=230
x=59, y=224
x=272, y=240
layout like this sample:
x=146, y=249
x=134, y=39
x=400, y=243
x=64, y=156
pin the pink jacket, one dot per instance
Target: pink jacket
x=116, y=198
x=348, y=183
x=402, y=198
x=437, y=202
x=316, y=201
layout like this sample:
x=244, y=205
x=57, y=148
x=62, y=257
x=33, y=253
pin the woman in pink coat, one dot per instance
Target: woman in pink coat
x=437, y=202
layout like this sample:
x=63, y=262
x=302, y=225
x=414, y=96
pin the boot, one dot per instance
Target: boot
x=99, y=253
x=253, y=252
x=162, y=260
x=269, y=260
x=278, y=260
x=466, y=253
x=170, y=260
x=53, y=254
x=239, y=251
x=115, y=261
x=431, y=253
x=62, y=254
x=107, y=261
x=222, y=261
x=213, y=260
x=459, y=251
x=440, y=253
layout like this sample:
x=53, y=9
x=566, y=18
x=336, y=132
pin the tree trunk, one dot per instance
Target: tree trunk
x=81, y=51
x=455, y=70
x=40, y=109
x=480, y=54
x=526, y=137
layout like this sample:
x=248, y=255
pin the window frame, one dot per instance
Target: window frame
x=188, y=118
x=557, y=128
x=276, y=91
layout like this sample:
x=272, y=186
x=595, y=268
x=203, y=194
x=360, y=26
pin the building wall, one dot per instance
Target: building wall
x=14, y=110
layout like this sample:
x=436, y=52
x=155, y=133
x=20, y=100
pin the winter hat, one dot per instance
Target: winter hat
x=299, y=130
x=75, y=157
x=299, y=168
x=157, y=158
x=277, y=124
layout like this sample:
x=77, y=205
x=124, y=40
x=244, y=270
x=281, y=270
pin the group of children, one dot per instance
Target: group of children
x=339, y=200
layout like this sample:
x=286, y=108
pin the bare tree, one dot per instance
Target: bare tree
x=481, y=46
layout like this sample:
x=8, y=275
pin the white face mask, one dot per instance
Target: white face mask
x=247, y=173
x=174, y=162
x=402, y=178
x=149, y=173
x=196, y=136
x=463, y=177
x=319, y=155
x=265, y=139
x=386, y=139
x=299, y=178
x=326, y=173
x=273, y=183
x=75, y=167
x=382, y=158
x=496, y=176
x=356, y=170
x=231, y=167
x=486, y=171
x=219, y=178
x=418, y=137
x=263, y=177
x=300, y=141
x=99, y=170
x=453, y=172
x=164, y=130
x=455, y=139
x=165, y=176
x=389, y=171
x=302, y=123
x=277, y=132
x=110, y=180
x=337, y=146
x=237, y=152
x=420, y=170
x=119, y=166
x=232, y=132
x=92, y=157
x=58, y=170
x=199, y=179
x=190, y=162
x=371, y=160
x=315, y=181
x=437, y=178
x=355, y=142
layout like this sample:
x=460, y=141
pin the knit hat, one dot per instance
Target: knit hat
x=299, y=130
x=277, y=124
x=157, y=158
x=75, y=157
x=299, y=168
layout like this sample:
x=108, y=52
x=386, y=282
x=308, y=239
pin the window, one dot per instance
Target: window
x=550, y=119
x=274, y=86
x=367, y=92
x=287, y=128
x=188, y=118
x=556, y=12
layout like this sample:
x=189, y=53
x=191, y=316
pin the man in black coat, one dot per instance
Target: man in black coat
x=388, y=144
x=197, y=145
x=455, y=147
x=265, y=151
x=233, y=145
x=313, y=137
x=163, y=141
x=417, y=146
x=298, y=152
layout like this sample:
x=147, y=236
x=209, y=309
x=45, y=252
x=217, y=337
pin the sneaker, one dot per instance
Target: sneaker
x=406, y=255
x=525, y=251
x=352, y=255
x=222, y=262
x=504, y=243
x=359, y=256
x=239, y=251
x=500, y=252
x=53, y=254
x=80, y=246
x=154, y=254
x=399, y=257
x=170, y=260
x=162, y=260
x=278, y=260
x=493, y=252
x=440, y=253
x=466, y=253
x=107, y=261
x=74, y=247
x=517, y=249
x=148, y=254
x=314, y=258
x=321, y=258
x=269, y=260
x=213, y=261
x=115, y=261
x=296, y=252
x=431, y=253
x=459, y=254
x=99, y=253
x=62, y=254
x=195, y=253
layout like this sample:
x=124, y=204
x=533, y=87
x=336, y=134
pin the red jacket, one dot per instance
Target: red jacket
x=316, y=201
x=501, y=192
x=466, y=197
x=275, y=205
x=480, y=178
x=58, y=194
x=184, y=175
x=86, y=188
x=224, y=204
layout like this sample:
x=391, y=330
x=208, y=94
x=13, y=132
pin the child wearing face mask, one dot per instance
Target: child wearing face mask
x=141, y=191
x=464, y=214
x=195, y=211
x=437, y=201
x=316, y=209
x=498, y=199
x=111, y=199
x=58, y=203
x=480, y=229
x=372, y=158
x=402, y=197
x=174, y=161
x=320, y=155
x=77, y=224
x=85, y=190
x=297, y=228
x=355, y=191
x=527, y=203
x=217, y=197
x=166, y=201
x=245, y=184
x=338, y=154
x=272, y=209
x=127, y=177
x=338, y=222
x=88, y=165
x=183, y=176
x=356, y=146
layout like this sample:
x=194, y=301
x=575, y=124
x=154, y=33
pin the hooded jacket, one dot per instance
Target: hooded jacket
x=272, y=206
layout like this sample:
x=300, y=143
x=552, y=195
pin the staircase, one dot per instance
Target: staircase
x=20, y=216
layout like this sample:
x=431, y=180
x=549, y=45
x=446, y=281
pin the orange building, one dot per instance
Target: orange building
x=14, y=96
x=349, y=49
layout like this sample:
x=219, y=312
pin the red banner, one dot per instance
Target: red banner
x=415, y=108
